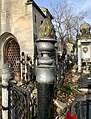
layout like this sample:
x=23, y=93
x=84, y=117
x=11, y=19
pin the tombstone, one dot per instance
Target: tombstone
x=84, y=47
x=81, y=107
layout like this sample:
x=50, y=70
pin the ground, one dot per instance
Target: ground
x=67, y=93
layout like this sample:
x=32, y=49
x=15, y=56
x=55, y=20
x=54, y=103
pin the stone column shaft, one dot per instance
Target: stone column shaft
x=79, y=56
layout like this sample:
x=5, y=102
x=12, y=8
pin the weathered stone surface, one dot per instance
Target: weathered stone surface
x=46, y=30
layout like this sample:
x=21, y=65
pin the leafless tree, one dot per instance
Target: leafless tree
x=67, y=20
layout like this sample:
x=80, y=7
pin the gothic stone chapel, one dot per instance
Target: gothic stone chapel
x=19, y=25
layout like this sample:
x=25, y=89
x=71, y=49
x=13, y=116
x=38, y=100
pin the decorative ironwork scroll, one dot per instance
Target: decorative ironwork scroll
x=19, y=103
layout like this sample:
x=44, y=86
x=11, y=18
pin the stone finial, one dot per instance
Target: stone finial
x=85, y=28
x=46, y=30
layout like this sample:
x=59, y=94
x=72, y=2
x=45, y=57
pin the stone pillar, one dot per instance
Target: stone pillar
x=7, y=75
x=45, y=74
x=79, y=56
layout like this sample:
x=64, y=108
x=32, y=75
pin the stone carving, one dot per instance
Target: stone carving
x=46, y=30
x=85, y=28
x=85, y=49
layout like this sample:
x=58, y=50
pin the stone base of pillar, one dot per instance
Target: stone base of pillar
x=45, y=101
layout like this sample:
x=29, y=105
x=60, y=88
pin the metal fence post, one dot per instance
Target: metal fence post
x=45, y=74
x=7, y=74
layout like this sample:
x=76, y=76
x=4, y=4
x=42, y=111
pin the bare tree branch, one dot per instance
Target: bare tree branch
x=67, y=20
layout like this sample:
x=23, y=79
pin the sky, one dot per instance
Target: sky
x=84, y=5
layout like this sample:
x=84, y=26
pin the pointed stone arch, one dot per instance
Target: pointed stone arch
x=10, y=52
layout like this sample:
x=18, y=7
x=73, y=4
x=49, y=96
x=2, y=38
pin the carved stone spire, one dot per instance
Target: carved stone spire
x=46, y=30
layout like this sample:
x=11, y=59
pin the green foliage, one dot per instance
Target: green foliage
x=67, y=89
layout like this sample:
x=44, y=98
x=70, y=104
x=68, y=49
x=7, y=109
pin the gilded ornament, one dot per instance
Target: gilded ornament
x=85, y=28
x=46, y=30
x=85, y=49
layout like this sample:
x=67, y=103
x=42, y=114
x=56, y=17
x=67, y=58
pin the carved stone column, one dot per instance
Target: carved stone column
x=45, y=74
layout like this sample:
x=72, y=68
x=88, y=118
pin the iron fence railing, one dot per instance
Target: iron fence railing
x=20, y=102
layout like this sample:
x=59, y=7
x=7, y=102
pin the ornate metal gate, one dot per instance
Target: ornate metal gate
x=19, y=103
x=12, y=55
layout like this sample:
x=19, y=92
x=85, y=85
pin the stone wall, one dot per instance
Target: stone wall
x=18, y=19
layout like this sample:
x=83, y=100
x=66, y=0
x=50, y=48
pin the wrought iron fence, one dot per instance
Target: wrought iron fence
x=20, y=103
